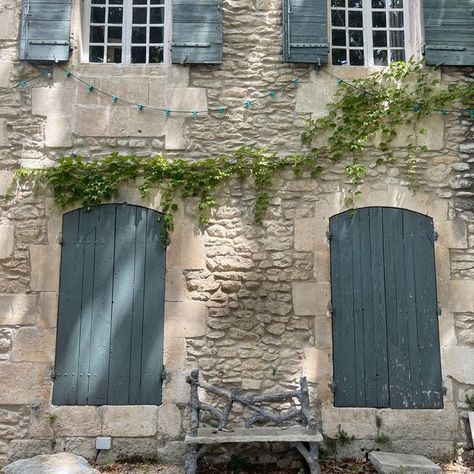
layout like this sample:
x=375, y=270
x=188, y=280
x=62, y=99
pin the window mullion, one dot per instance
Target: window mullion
x=127, y=31
x=368, y=40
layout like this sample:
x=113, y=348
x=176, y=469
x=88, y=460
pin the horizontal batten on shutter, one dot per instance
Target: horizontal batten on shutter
x=197, y=45
x=437, y=47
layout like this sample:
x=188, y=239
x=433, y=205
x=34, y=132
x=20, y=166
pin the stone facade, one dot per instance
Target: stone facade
x=246, y=304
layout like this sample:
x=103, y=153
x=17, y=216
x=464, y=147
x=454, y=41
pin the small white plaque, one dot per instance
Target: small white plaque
x=103, y=442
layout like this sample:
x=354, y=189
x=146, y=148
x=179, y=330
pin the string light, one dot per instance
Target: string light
x=248, y=104
x=115, y=99
x=90, y=87
x=140, y=107
x=444, y=112
x=339, y=81
x=222, y=110
x=471, y=112
x=167, y=112
x=194, y=113
x=272, y=94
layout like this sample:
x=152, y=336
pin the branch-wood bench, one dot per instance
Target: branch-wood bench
x=200, y=438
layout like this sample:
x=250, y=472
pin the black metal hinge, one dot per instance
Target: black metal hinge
x=435, y=235
x=444, y=390
x=439, y=311
x=164, y=374
x=328, y=234
x=332, y=387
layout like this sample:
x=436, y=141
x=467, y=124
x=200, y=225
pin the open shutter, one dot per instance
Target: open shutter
x=111, y=304
x=449, y=27
x=197, y=32
x=305, y=35
x=45, y=29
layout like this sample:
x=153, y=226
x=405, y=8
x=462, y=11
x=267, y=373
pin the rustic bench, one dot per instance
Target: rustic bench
x=200, y=438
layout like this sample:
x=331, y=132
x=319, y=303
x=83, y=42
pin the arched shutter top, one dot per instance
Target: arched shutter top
x=449, y=27
x=197, y=32
x=305, y=36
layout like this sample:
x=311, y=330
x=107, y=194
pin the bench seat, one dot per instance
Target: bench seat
x=255, y=435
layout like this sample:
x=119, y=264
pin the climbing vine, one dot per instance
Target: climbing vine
x=364, y=115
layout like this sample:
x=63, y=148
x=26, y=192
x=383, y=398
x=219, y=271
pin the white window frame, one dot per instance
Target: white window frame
x=412, y=27
x=127, y=34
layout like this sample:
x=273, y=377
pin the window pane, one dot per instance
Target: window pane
x=356, y=57
x=396, y=19
x=114, y=54
x=138, y=55
x=156, y=54
x=355, y=3
x=139, y=2
x=139, y=34
x=99, y=2
x=115, y=14
x=380, y=57
x=339, y=37
x=379, y=38
x=397, y=55
x=97, y=34
x=338, y=3
x=96, y=54
x=396, y=4
x=98, y=15
x=355, y=19
x=156, y=15
x=356, y=38
x=157, y=2
x=139, y=15
x=379, y=20
x=115, y=2
x=338, y=18
x=378, y=3
x=114, y=34
x=156, y=35
x=397, y=39
x=339, y=57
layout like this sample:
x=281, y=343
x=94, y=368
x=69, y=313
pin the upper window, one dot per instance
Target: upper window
x=126, y=31
x=368, y=32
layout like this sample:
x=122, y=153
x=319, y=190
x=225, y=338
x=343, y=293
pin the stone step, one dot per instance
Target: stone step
x=396, y=463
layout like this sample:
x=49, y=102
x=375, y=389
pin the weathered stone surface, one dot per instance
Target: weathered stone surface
x=48, y=310
x=317, y=364
x=452, y=234
x=458, y=364
x=7, y=240
x=185, y=319
x=8, y=22
x=26, y=381
x=169, y=421
x=390, y=463
x=6, y=180
x=33, y=345
x=310, y=298
x=18, y=309
x=6, y=68
x=460, y=296
x=45, y=267
x=51, y=464
x=129, y=421
x=77, y=420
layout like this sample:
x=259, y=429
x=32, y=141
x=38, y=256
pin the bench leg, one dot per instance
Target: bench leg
x=190, y=465
x=311, y=456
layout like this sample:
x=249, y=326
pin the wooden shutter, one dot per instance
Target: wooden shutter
x=110, y=325
x=45, y=29
x=385, y=323
x=449, y=27
x=197, y=32
x=305, y=35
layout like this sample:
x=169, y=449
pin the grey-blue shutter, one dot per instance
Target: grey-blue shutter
x=449, y=32
x=109, y=346
x=305, y=31
x=385, y=323
x=197, y=32
x=45, y=29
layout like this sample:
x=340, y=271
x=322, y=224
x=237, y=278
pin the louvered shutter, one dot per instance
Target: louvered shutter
x=305, y=36
x=449, y=32
x=45, y=29
x=385, y=323
x=197, y=32
x=111, y=304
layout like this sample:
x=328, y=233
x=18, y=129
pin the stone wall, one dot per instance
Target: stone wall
x=247, y=304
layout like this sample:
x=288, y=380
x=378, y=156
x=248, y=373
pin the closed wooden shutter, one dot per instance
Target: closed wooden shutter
x=305, y=35
x=449, y=27
x=110, y=325
x=197, y=32
x=45, y=29
x=385, y=323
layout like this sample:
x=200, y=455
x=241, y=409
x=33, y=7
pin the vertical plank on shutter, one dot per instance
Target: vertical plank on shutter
x=305, y=31
x=67, y=346
x=138, y=300
x=152, y=349
x=343, y=328
x=87, y=235
x=102, y=306
x=426, y=303
x=122, y=306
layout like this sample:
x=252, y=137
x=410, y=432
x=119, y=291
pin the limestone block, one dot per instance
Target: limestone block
x=322, y=267
x=323, y=332
x=57, y=132
x=77, y=421
x=33, y=345
x=9, y=22
x=51, y=102
x=174, y=133
x=185, y=319
x=310, y=298
x=147, y=123
x=460, y=296
x=457, y=363
x=174, y=356
x=452, y=234
x=103, y=121
x=447, y=332
x=129, y=421
x=6, y=68
x=317, y=365
x=169, y=421
x=408, y=463
x=186, y=98
x=7, y=240
x=26, y=382
x=177, y=76
x=175, y=388
x=434, y=136
x=48, y=310
x=45, y=261
x=313, y=96
x=18, y=309
x=304, y=235
x=131, y=88
x=3, y=133
x=6, y=179
x=175, y=289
